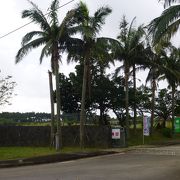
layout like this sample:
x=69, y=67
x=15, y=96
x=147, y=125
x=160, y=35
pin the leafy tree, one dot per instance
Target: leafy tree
x=6, y=90
x=117, y=100
x=17, y=117
x=177, y=108
x=54, y=37
x=102, y=93
x=69, y=97
x=163, y=106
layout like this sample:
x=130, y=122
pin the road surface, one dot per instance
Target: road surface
x=151, y=164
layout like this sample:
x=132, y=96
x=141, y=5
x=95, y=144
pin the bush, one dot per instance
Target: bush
x=167, y=132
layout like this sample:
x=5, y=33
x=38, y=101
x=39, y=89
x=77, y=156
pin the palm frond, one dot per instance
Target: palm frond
x=99, y=18
x=23, y=51
x=117, y=71
x=46, y=51
x=37, y=16
x=82, y=13
x=75, y=49
x=65, y=24
x=165, y=26
x=53, y=12
x=168, y=3
x=28, y=37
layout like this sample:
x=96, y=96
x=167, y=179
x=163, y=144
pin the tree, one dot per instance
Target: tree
x=69, y=96
x=128, y=52
x=153, y=61
x=88, y=27
x=6, y=90
x=54, y=37
x=163, y=106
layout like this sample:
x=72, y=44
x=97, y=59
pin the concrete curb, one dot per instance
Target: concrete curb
x=60, y=157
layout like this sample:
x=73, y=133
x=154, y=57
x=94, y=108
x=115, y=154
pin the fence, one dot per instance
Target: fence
x=95, y=136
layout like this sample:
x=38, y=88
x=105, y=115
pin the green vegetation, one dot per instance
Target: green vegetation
x=7, y=153
x=159, y=137
x=6, y=89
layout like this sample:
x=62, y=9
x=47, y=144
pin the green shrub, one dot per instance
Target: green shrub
x=7, y=122
x=167, y=132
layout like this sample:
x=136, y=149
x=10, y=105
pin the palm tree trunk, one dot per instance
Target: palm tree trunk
x=153, y=103
x=127, y=98
x=52, y=109
x=134, y=84
x=83, y=100
x=58, y=103
x=173, y=106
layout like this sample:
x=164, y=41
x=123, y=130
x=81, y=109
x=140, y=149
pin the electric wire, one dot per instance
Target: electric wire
x=7, y=34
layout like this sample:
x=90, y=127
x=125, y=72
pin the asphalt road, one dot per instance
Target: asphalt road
x=135, y=165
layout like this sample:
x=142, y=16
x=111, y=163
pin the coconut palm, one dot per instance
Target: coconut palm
x=163, y=64
x=171, y=72
x=152, y=63
x=166, y=25
x=86, y=47
x=52, y=36
x=129, y=52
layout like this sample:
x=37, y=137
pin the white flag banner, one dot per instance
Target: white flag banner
x=146, y=126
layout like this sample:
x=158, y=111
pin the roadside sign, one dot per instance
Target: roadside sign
x=146, y=126
x=177, y=125
x=116, y=134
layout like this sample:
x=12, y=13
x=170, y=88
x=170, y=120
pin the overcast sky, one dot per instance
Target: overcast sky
x=31, y=77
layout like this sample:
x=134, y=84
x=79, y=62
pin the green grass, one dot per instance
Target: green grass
x=33, y=124
x=7, y=153
x=23, y=152
x=155, y=139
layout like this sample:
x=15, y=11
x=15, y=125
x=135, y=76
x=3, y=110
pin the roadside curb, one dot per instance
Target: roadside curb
x=60, y=157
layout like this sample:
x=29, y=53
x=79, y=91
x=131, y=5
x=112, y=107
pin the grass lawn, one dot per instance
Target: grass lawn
x=155, y=139
x=7, y=153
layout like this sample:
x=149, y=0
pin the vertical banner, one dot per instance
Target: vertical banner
x=146, y=126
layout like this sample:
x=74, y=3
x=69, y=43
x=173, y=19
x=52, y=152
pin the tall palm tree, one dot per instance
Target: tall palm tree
x=52, y=36
x=171, y=72
x=128, y=51
x=166, y=25
x=151, y=63
x=163, y=64
x=88, y=27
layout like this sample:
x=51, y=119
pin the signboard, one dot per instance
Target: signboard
x=146, y=126
x=116, y=133
x=177, y=125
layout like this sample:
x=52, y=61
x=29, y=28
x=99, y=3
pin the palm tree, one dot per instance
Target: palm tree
x=53, y=36
x=163, y=64
x=171, y=72
x=152, y=60
x=128, y=51
x=86, y=47
x=165, y=26
x=52, y=109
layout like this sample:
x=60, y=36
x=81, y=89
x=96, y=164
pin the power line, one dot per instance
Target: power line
x=31, y=21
